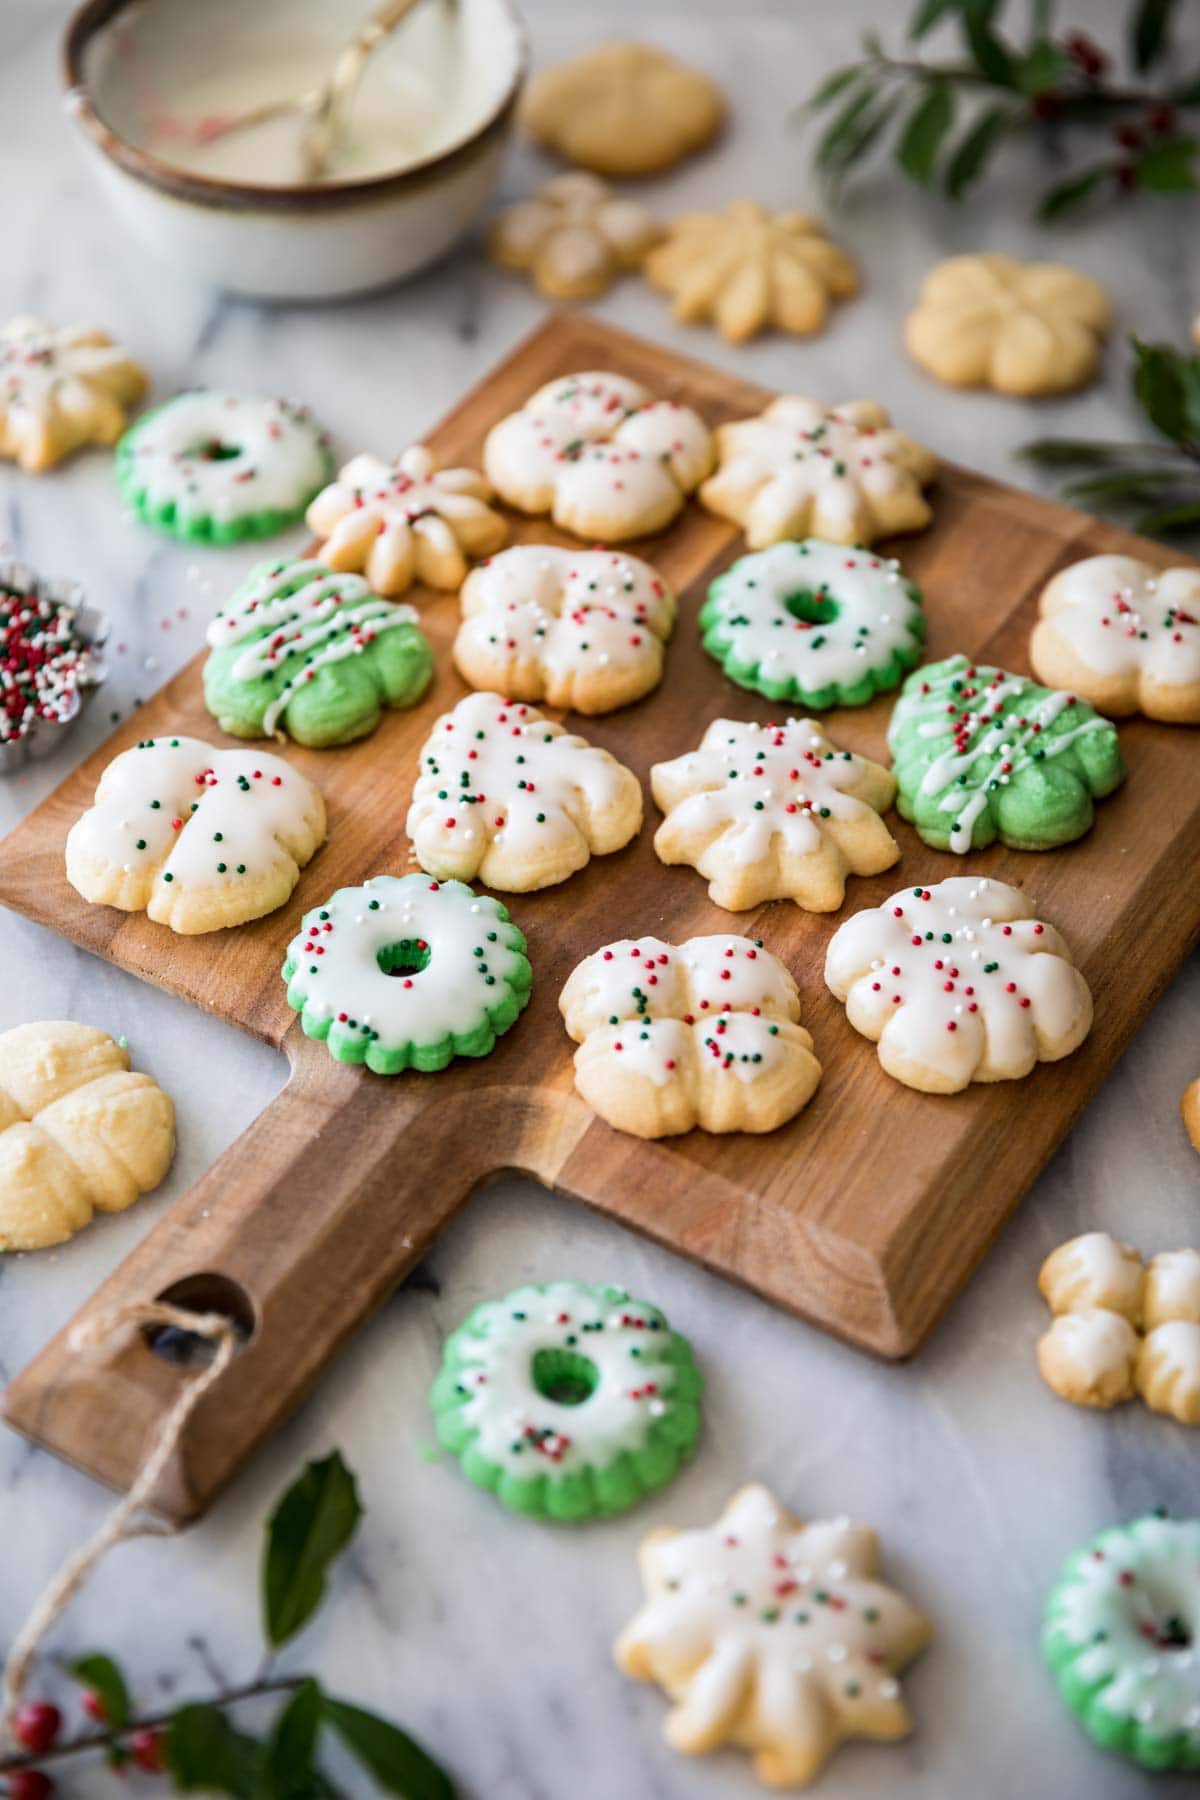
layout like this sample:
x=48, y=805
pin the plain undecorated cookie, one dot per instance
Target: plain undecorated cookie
x=1189, y=1108
x=1020, y=328
x=623, y=109
x=1125, y=634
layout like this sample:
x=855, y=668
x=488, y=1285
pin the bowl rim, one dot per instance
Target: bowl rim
x=89, y=16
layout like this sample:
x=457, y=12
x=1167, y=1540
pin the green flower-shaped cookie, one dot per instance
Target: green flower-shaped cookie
x=566, y=1401
x=1122, y=1636
x=981, y=754
x=304, y=649
x=407, y=973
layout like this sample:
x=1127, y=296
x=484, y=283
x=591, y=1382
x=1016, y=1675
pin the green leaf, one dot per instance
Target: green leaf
x=396, y=1763
x=1073, y=192
x=309, y=1529
x=1148, y=35
x=988, y=50
x=1187, y=93
x=1088, y=452
x=1168, y=168
x=289, y=1772
x=843, y=127
x=206, y=1755
x=833, y=85
x=1042, y=70
x=1170, y=518
x=968, y=161
x=1127, y=484
x=101, y=1674
x=922, y=137
x=1166, y=383
x=927, y=16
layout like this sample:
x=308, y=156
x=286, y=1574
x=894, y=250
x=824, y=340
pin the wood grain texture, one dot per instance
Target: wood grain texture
x=865, y=1215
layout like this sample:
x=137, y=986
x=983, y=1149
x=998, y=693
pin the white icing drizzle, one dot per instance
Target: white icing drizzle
x=1123, y=616
x=272, y=456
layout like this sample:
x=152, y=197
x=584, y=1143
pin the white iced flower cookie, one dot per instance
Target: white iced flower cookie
x=772, y=812
x=703, y=1033
x=804, y=469
x=508, y=796
x=959, y=982
x=601, y=455
x=1123, y=634
x=405, y=521
x=1120, y=1328
x=80, y=1132
x=198, y=838
x=773, y=1635
x=584, y=630
x=61, y=388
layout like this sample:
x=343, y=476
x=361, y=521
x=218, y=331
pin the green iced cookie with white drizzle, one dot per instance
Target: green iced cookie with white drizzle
x=816, y=624
x=407, y=973
x=1122, y=1635
x=303, y=649
x=980, y=754
x=567, y=1401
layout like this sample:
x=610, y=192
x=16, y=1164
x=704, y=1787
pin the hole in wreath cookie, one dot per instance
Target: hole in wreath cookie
x=564, y=1377
x=206, y=1293
x=214, y=451
x=812, y=607
x=408, y=957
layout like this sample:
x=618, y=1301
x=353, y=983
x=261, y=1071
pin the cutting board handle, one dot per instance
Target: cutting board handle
x=297, y=1233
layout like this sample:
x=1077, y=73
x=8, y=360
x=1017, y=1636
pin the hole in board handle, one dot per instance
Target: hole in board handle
x=206, y=1293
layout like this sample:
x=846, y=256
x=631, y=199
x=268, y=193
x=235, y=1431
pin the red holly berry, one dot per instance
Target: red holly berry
x=148, y=1749
x=1126, y=176
x=36, y=1725
x=1161, y=120
x=29, y=1784
x=93, y=1706
x=1045, y=107
x=1091, y=59
x=1128, y=136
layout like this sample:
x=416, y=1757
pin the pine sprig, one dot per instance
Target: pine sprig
x=1162, y=477
x=1055, y=86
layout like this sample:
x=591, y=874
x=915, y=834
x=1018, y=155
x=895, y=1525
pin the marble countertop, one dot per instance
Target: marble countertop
x=488, y=1636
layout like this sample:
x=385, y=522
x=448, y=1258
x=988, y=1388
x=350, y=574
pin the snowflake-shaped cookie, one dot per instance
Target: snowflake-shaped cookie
x=843, y=473
x=773, y=1635
x=959, y=982
x=703, y=1033
x=198, y=838
x=506, y=795
x=771, y=812
x=405, y=521
x=580, y=629
x=62, y=388
x=747, y=269
x=600, y=454
x=574, y=237
x=1125, y=635
x=1021, y=328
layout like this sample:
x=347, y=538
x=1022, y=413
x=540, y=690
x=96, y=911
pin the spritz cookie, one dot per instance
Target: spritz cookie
x=1125, y=635
x=814, y=624
x=981, y=754
x=195, y=837
x=1119, y=1637
x=773, y=1635
x=62, y=388
x=959, y=982
x=774, y=812
x=567, y=1402
x=406, y=521
x=802, y=469
x=574, y=238
x=216, y=467
x=623, y=109
x=584, y=630
x=507, y=796
x=601, y=455
x=407, y=973
x=1020, y=328
x=304, y=650
x=704, y=1033
x=1189, y=1110
x=80, y=1132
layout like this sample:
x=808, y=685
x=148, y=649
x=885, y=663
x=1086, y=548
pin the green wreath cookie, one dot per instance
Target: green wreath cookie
x=215, y=468
x=1122, y=1636
x=303, y=649
x=567, y=1401
x=814, y=623
x=981, y=754
x=407, y=973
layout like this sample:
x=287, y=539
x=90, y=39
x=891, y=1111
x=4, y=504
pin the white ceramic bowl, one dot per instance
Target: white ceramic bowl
x=313, y=241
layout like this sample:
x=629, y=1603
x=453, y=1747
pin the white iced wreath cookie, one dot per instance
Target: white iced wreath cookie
x=61, y=388
x=803, y=469
x=704, y=1033
x=581, y=629
x=772, y=812
x=507, y=795
x=773, y=1635
x=405, y=521
x=80, y=1132
x=600, y=454
x=959, y=982
x=197, y=838
x=1123, y=634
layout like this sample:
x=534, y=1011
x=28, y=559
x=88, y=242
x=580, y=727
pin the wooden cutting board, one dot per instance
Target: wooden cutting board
x=864, y=1215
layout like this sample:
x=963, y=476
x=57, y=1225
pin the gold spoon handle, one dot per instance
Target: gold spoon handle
x=329, y=109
